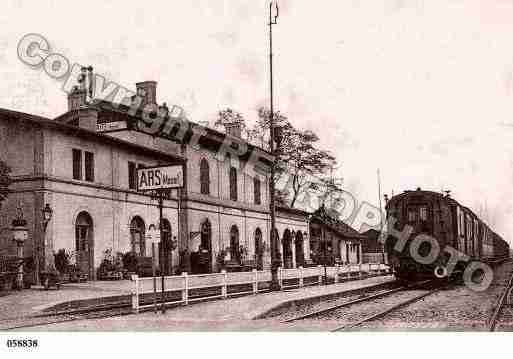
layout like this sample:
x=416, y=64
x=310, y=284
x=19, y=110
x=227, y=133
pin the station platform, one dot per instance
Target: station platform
x=17, y=304
x=256, y=306
x=223, y=314
x=77, y=296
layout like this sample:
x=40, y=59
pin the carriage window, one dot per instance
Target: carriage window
x=412, y=215
x=461, y=225
x=423, y=213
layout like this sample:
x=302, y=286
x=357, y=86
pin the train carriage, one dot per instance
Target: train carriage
x=449, y=223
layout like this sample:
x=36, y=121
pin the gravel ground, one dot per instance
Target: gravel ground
x=311, y=306
x=455, y=309
x=354, y=313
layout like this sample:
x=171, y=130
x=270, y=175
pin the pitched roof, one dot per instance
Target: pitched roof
x=84, y=133
x=335, y=224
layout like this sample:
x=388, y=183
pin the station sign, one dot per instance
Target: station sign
x=159, y=178
x=111, y=126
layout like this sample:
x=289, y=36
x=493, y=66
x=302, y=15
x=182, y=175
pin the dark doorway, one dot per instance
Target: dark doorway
x=259, y=250
x=137, y=234
x=287, y=249
x=84, y=244
x=300, y=253
x=165, y=248
x=234, y=245
x=202, y=260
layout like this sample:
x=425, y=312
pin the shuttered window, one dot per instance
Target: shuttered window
x=89, y=166
x=204, y=177
x=77, y=164
x=233, y=184
x=257, y=191
x=132, y=175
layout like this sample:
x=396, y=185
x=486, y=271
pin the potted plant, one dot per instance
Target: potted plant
x=129, y=261
x=220, y=259
x=111, y=266
x=62, y=263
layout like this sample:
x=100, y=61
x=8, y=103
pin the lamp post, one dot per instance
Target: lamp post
x=20, y=235
x=274, y=260
x=47, y=217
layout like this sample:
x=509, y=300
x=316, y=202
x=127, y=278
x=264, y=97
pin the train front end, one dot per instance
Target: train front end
x=413, y=235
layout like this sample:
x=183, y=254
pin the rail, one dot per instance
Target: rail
x=240, y=283
x=500, y=304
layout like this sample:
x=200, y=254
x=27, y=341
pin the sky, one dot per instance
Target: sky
x=422, y=90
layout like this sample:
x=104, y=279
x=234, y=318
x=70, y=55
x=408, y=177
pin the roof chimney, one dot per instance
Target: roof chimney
x=88, y=118
x=76, y=98
x=234, y=129
x=147, y=90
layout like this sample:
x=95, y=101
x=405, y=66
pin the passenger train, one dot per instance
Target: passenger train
x=446, y=221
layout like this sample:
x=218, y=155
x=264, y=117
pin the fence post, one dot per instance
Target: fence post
x=185, y=291
x=320, y=274
x=301, y=282
x=224, y=288
x=337, y=267
x=348, y=271
x=255, y=281
x=360, y=273
x=135, y=294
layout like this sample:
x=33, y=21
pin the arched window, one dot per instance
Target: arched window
x=234, y=244
x=205, y=176
x=256, y=191
x=137, y=232
x=233, y=183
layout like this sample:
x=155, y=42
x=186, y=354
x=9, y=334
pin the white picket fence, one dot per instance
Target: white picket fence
x=287, y=278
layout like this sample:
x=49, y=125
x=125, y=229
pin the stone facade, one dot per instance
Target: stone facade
x=95, y=215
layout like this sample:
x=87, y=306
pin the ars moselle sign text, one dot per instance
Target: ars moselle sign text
x=155, y=178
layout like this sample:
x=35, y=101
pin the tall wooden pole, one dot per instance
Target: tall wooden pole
x=274, y=260
x=162, y=248
x=381, y=215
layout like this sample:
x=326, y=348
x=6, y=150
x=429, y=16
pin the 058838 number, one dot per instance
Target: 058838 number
x=22, y=343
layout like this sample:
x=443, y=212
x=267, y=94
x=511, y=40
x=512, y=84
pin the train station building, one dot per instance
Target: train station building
x=83, y=165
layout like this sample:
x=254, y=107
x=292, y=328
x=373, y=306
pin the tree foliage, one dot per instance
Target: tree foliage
x=5, y=181
x=228, y=116
x=300, y=161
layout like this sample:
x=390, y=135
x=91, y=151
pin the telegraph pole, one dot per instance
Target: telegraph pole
x=380, y=216
x=162, y=248
x=274, y=250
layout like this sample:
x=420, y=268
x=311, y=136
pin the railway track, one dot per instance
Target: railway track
x=55, y=318
x=495, y=318
x=412, y=293
x=386, y=311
